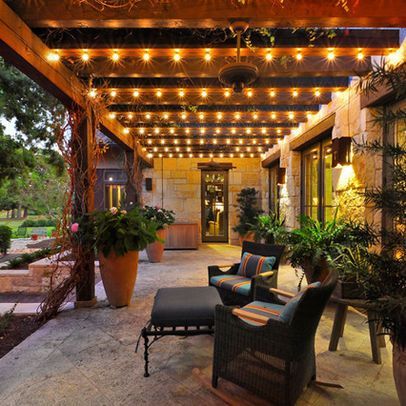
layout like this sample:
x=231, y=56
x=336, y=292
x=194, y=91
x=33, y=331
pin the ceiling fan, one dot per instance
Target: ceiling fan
x=238, y=75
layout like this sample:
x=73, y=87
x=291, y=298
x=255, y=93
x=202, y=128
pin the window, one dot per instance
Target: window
x=317, y=181
x=114, y=196
x=274, y=194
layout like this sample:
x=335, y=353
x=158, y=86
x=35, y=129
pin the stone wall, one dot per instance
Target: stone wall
x=182, y=186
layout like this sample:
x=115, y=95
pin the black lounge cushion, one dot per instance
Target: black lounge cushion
x=189, y=306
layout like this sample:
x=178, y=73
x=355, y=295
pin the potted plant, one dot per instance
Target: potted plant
x=163, y=218
x=315, y=246
x=248, y=211
x=119, y=236
x=268, y=228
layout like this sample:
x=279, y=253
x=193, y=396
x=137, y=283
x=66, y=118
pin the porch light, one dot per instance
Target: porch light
x=149, y=141
x=217, y=130
x=273, y=116
x=187, y=131
x=53, y=56
x=291, y=116
x=226, y=93
x=317, y=93
x=237, y=116
x=204, y=93
x=248, y=149
x=85, y=57
x=175, y=141
x=141, y=131
x=202, y=131
x=219, y=116
x=233, y=131
x=299, y=55
x=113, y=93
x=155, y=149
x=330, y=55
x=200, y=155
x=177, y=149
x=201, y=116
x=158, y=93
x=360, y=55
x=248, y=131
x=249, y=93
x=267, y=141
x=268, y=56
x=221, y=155
x=240, y=141
x=176, y=56
x=263, y=130
x=207, y=55
x=183, y=116
x=146, y=56
x=170, y=155
x=251, y=155
x=211, y=155
x=148, y=116
x=201, y=142
x=92, y=93
x=160, y=155
x=241, y=155
x=188, y=142
x=190, y=155
x=115, y=57
x=166, y=116
x=228, y=141
x=130, y=116
x=272, y=93
x=278, y=131
x=214, y=141
x=231, y=155
x=181, y=93
x=295, y=93
x=136, y=93
x=156, y=130
x=255, y=116
x=172, y=131
x=341, y=150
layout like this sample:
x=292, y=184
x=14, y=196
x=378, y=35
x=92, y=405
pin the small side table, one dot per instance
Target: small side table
x=375, y=329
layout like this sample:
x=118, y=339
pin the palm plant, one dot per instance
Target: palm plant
x=269, y=228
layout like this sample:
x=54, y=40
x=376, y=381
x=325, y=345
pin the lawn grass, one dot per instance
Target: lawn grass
x=15, y=223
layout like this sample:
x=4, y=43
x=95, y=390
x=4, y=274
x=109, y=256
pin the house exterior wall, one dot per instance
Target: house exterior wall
x=182, y=187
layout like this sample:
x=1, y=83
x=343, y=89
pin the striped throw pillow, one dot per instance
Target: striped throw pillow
x=252, y=265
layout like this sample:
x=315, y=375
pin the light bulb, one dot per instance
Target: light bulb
x=146, y=56
x=93, y=93
x=115, y=57
x=249, y=93
x=126, y=131
x=273, y=116
x=136, y=93
x=204, y=93
x=176, y=56
x=53, y=56
x=360, y=55
x=226, y=93
x=330, y=55
x=183, y=116
x=112, y=115
x=207, y=56
x=219, y=116
x=317, y=93
x=268, y=56
x=85, y=57
x=181, y=93
x=148, y=116
x=158, y=93
x=166, y=116
x=113, y=93
x=299, y=56
x=295, y=93
x=272, y=93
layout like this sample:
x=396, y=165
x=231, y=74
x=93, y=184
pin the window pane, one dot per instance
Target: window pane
x=311, y=182
x=328, y=201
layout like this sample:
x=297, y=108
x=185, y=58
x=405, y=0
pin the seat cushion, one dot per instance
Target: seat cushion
x=252, y=265
x=258, y=313
x=234, y=283
x=291, y=306
x=189, y=306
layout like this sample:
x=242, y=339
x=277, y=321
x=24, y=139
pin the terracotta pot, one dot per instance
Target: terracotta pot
x=155, y=250
x=34, y=237
x=250, y=236
x=399, y=372
x=118, y=274
x=317, y=272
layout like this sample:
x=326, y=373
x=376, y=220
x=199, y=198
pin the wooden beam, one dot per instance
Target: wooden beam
x=194, y=42
x=213, y=14
x=277, y=82
x=20, y=47
x=196, y=67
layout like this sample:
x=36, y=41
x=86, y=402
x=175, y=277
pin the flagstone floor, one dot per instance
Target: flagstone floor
x=86, y=356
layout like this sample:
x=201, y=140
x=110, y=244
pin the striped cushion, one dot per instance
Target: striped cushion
x=234, y=283
x=252, y=265
x=258, y=313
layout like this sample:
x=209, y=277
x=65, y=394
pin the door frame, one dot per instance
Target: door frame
x=223, y=239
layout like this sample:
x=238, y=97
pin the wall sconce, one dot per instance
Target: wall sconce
x=341, y=151
x=281, y=176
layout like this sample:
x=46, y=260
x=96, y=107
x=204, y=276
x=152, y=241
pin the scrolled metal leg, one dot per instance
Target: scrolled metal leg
x=146, y=347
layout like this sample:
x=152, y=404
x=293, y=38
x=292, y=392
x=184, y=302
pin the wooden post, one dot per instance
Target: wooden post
x=134, y=177
x=83, y=202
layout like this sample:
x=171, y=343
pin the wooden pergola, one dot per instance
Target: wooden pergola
x=158, y=62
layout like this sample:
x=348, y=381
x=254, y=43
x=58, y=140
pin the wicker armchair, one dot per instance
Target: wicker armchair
x=276, y=360
x=266, y=280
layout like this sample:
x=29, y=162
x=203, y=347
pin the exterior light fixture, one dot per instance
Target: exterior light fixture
x=176, y=56
x=317, y=93
x=299, y=55
x=166, y=116
x=237, y=116
x=249, y=93
x=183, y=116
x=360, y=55
x=92, y=93
x=341, y=150
x=330, y=55
x=200, y=155
x=226, y=93
x=291, y=116
x=202, y=131
x=219, y=116
x=263, y=130
x=228, y=141
x=141, y=131
x=273, y=116
x=233, y=131
x=204, y=93
x=255, y=116
x=268, y=56
x=148, y=116
x=187, y=131
x=172, y=131
x=181, y=93
x=278, y=131
x=53, y=56
x=136, y=93
x=126, y=131
x=272, y=93
x=207, y=55
x=295, y=93
x=130, y=116
x=115, y=57
x=113, y=93
x=85, y=57
x=248, y=130
x=217, y=130
x=146, y=56
x=201, y=116
x=157, y=130
x=158, y=93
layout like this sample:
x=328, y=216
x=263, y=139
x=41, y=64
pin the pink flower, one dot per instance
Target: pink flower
x=74, y=227
x=114, y=211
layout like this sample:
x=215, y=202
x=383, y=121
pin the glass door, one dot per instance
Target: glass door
x=214, y=206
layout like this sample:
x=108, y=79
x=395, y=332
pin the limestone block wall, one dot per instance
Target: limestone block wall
x=176, y=185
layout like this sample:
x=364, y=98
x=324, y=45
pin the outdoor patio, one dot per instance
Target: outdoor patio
x=86, y=356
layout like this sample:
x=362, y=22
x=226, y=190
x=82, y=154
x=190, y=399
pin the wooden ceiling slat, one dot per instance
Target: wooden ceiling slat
x=196, y=67
x=209, y=14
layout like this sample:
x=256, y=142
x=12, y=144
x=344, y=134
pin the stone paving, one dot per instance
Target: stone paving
x=86, y=356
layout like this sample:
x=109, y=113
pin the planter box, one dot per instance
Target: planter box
x=182, y=236
x=347, y=290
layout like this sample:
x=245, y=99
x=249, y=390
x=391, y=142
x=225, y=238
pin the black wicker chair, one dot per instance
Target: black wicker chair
x=275, y=361
x=265, y=280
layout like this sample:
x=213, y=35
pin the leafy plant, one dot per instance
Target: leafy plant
x=248, y=210
x=120, y=231
x=162, y=217
x=5, y=239
x=6, y=319
x=269, y=228
x=27, y=258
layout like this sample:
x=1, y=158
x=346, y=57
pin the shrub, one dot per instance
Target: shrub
x=38, y=223
x=5, y=239
x=248, y=210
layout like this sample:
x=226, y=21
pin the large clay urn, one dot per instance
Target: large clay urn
x=155, y=250
x=316, y=272
x=118, y=275
x=399, y=372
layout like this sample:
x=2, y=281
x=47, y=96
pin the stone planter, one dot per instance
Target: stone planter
x=250, y=236
x=155, y=250
x=399, y=372
x=118, y=274
x=347, y=290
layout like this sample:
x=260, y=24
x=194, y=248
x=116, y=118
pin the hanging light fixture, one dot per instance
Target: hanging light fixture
x=238, y=75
